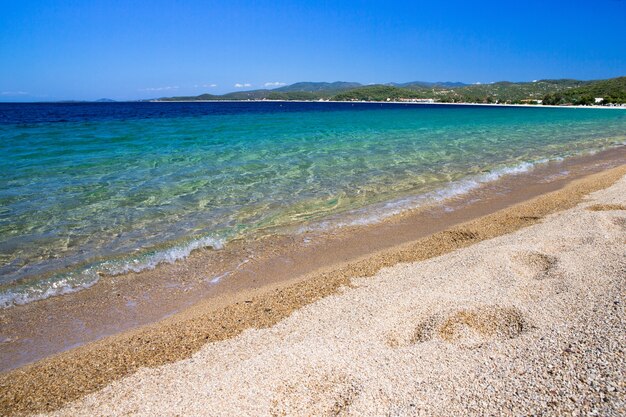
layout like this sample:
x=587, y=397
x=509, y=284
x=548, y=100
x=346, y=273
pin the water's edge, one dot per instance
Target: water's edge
x=120, y=303
x=86, y=276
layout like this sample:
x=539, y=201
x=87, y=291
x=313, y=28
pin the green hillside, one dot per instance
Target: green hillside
x=416, y=85
x=297, y=91
x=508, y=92
x=376, y=93
x=560, y=92
x=318, y=87
x=612, y=91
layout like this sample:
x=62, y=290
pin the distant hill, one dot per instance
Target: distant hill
x=509, y=92
x=377, y=92
x=105, y=100
x=297, y=91
x=425, y=84
x=315, y=87
x=564, y=91
x=246, y=95
x=611, y=91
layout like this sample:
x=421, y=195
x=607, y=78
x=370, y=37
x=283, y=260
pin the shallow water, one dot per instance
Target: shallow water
x=113, y=187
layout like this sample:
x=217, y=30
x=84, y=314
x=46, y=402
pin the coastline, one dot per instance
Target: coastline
x=74, y=255
x=526, y=323
x=539, y=106
x=52, y=382
x=119, y=303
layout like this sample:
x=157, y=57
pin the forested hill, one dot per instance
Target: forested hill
x=311, y=87
x=561, y=92
x=612, y=91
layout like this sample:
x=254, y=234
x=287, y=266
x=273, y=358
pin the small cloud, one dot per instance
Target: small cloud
x=239, y=85
x=169, y=87
x=14, y=93
x=477, y=83
x=205, y=85
x=274, y=84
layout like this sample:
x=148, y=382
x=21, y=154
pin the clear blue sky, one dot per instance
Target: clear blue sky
x=141, y=49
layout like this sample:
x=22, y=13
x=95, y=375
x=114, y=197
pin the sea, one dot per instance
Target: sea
x=93, y=189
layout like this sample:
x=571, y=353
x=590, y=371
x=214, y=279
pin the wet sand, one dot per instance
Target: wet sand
x=285, y=277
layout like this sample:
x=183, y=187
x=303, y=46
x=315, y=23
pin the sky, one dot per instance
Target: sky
x=134, y=49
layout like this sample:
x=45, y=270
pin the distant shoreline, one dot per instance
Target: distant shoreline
x=619, y=107
x=382, y=102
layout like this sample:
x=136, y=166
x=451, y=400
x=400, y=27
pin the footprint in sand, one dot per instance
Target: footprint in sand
x=620, y=222
x=536, y=264
x=489, y=322
x=326, y=394
x=469, y=326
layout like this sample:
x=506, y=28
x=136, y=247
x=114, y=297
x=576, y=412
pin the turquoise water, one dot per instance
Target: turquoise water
x=119, y=187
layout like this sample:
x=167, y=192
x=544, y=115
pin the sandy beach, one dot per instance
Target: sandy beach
x=237, y=209
x=527, y=323
x=469, y=320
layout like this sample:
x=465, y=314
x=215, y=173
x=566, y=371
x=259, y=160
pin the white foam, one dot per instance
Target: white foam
x=518, y=169
x=379, y=212
x=27, y=295
x=218, y=278
x=80, y=280
x=168, y=256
